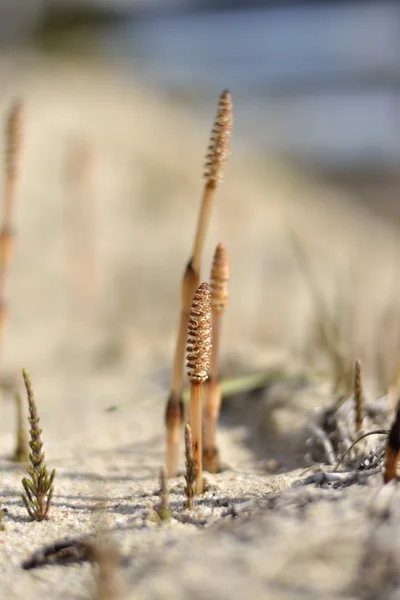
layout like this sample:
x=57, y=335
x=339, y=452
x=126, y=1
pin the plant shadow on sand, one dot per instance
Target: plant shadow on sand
x=275, y=421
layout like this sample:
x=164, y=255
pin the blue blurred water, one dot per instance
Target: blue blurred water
x=320, y=82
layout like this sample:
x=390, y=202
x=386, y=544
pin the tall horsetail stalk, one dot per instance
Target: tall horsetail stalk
x=198, y=363
x=215, y=163
x=220, y=273
x=14, y=131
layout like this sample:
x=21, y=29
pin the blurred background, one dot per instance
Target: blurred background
x=119, y=99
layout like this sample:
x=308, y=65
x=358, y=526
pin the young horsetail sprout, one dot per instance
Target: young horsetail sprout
x=392, y=449
x=358, y=395
x=216, y=159
x=163, y=509
x=39, y=488
x=198, y=362
x=14, y=130
x=220, y=274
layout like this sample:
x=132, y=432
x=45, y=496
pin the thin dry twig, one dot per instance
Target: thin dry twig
x=358, y=395
x=327, y=329
x=350, y=448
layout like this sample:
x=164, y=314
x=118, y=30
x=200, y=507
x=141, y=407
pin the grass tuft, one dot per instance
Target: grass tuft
x=39, y=488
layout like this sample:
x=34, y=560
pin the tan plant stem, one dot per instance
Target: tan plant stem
x=173, y=420
x=190, y=283
x=220, y=273
x=211, y=414
x=217, y=318
x=212, y=404
x=203, y=224
x=191, y=469
x=196, y=425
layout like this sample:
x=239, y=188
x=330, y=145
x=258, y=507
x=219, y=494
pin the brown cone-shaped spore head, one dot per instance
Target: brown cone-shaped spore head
x=199, y=335
x=220, y=274
x=220, y=141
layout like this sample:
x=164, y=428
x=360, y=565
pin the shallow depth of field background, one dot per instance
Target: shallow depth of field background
x=119, y=102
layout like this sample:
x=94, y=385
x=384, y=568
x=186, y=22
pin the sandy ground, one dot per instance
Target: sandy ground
x=89, y=347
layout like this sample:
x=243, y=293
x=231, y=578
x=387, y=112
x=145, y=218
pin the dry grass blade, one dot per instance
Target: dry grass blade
x=358, y=395
x=220, y=273
x=327, y=328
x=39, y=488
x=198, y=363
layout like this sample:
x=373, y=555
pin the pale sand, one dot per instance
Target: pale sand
x=147, y=156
